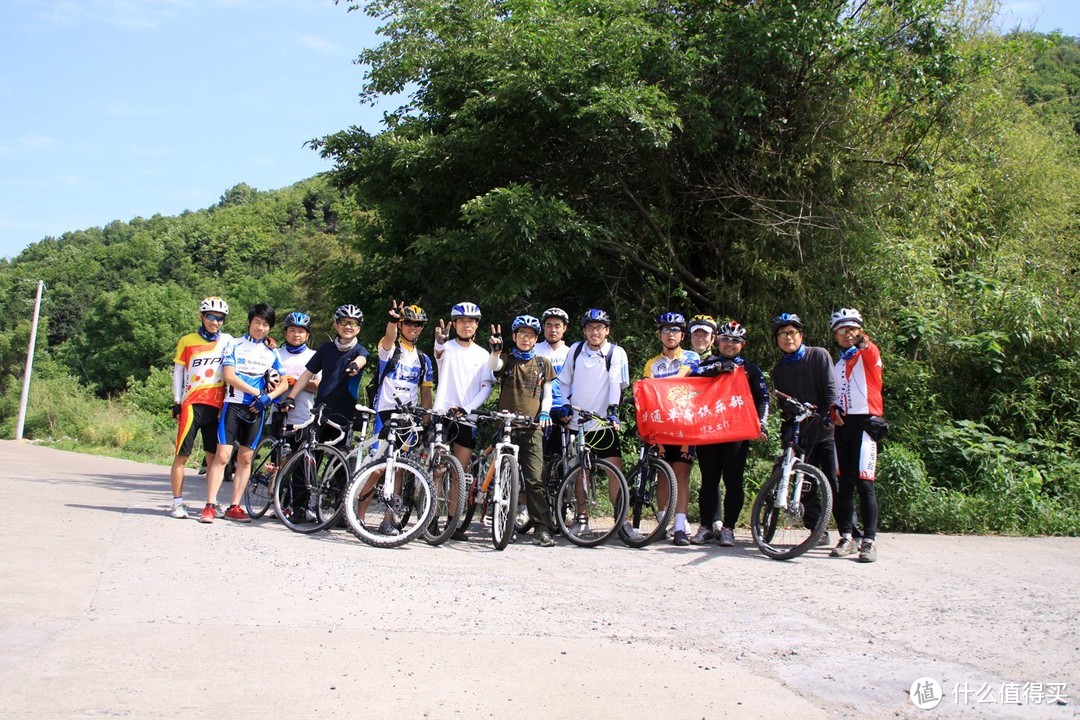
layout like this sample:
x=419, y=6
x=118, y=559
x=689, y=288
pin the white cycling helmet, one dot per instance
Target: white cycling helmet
x=214, y=304
x=845, y=317
x=555, y=313
x=465, y=310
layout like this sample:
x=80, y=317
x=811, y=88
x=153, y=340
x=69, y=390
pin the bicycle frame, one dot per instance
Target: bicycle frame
x=792, y=452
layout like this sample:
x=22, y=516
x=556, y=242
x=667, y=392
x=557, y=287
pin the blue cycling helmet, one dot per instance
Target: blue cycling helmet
x=298, y=319
x=465, y=310
x=525, y=321
x=786, y=319
x=670, y=319
x=595, y=315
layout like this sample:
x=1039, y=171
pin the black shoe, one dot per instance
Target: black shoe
x=543, y=538
x=824, y=539
x=681, y=539
x=460, y=535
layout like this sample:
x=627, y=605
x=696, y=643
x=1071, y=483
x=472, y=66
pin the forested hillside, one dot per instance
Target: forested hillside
x=733, y=159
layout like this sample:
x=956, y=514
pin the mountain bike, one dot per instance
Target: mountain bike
x=312, y=481
x=780, y=524
x=495, y=480
x=269, y=455
x=652, y=495
x=447, y=477
x=591, y=502
x=390, y=500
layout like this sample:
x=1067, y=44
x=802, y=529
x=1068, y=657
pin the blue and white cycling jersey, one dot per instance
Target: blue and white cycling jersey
x=558, y=359
x=251, y=360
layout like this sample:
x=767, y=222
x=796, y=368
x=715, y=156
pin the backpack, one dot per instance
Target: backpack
x=607, y=358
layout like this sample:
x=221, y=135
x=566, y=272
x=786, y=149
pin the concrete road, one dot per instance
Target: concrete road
x=111, y=608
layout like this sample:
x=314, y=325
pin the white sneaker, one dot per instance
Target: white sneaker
x=219, y=512
x=180, y=512
x=579, y=526
x=631, y=533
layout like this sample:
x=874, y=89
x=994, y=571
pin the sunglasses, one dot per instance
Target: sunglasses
x=788, y=333
x=726, y=339
x=214, y=318
x=348, y=323
x=671, y=330
x=412, y=323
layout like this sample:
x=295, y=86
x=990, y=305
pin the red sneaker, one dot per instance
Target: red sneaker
x=207, y=515
x=235, y=512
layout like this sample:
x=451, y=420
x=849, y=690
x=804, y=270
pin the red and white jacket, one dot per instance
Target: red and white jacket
x=858, y=382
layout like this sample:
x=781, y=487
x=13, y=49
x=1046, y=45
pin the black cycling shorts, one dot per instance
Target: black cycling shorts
x=677, y=453
x=605, y=443
x=193, y=419
x=238, y=426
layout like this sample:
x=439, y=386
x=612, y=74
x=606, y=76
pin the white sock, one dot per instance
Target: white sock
x=178, y=501
x=680, y=522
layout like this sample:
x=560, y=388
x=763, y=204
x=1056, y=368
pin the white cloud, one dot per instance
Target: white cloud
x=319, y=44
x=144, y=150
x=36, y=143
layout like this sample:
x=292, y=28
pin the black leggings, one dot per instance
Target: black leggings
x=727, y=461
x=849, y=446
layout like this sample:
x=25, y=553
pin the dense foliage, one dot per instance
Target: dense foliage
x=732, y=158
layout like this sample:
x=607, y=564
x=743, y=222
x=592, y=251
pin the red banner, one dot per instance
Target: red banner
x=696, y=410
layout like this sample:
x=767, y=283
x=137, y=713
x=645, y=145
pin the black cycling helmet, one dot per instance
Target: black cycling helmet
x=595, y=315
x=784, y=319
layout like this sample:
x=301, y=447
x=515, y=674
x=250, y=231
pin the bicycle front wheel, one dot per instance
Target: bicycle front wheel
x=504, y=502
x=448, y=479
x=591, y=502
x=389, y=517
x=781, y=526
x=652, y=493
x=264, y=465
x=307, y=495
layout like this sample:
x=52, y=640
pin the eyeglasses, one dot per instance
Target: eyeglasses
x=788, y=333
x=412, y=323
x=726, y=339
x=214, y=318
x=847, y=330
x=348, y=323
x=671, y=330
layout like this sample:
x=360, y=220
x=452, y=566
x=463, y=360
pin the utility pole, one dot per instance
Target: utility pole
x=29, y=364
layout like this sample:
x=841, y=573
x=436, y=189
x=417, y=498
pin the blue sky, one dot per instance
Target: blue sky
x=113, y=109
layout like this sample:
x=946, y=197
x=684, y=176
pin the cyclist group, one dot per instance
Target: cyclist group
x=224, y=387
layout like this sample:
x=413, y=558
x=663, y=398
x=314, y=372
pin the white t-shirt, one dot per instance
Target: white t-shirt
x=463, y=381
x=295, y=364
x=587, y=383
